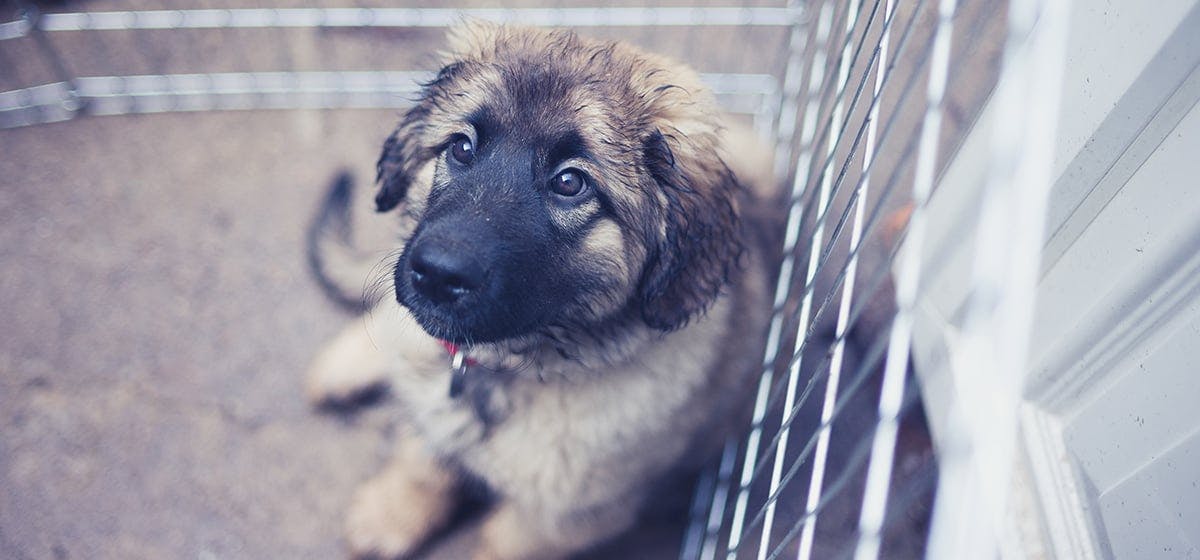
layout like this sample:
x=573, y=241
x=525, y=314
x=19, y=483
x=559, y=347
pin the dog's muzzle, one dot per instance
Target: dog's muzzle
x=444, y=272
x=472, y=273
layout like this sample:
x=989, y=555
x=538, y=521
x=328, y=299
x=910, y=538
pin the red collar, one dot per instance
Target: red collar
x=452, y=349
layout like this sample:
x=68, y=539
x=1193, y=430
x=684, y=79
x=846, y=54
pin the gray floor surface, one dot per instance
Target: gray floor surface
x=157, y=322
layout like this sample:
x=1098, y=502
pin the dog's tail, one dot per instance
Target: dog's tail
x=340, y=269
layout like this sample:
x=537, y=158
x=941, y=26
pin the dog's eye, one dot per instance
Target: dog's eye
x=462, y=150
x=568, y=183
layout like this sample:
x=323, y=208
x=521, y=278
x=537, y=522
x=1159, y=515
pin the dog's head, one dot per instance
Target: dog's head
x=558, y=182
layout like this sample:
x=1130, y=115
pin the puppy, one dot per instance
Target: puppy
x=582, y=292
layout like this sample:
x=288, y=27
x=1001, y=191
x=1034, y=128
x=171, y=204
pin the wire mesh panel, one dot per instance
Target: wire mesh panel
x=118, y=58
x=867, y=103
x=838, y=460
x=826, y=349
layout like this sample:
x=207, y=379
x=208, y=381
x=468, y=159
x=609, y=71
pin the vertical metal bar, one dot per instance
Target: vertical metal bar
x=835, y=366
x=716, y=516
x=989, y=361
x=693, y=537
x=782, y=288
x=793, y=76
x=766, y=117
x=806, y=304
x=883, y=450
x=784, y=104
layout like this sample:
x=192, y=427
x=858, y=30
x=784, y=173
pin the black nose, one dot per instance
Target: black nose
x=443, y=274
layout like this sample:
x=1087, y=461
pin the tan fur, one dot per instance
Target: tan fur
x=574, y=435
x=392, y=512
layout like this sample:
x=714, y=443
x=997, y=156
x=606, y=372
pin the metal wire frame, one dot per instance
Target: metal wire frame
x=792, y=237
x=750, y=470
x=984, y=297
x=843, y=67
x=873, y=355
x=828, y=410
x=857, y=459
x=907, y=281
x=858, y=190
x=907, y=496
x=998, y=310
x=833, y=379
x=397, y=17
x=698, y=538
x=752, y=94
x=877, y=214
x=909, y=265
x=757, y=95
x=870, y=226
x=859, y=456
x=872, y=288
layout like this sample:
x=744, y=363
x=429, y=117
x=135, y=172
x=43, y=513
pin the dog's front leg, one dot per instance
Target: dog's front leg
x=395, y=512
x=521, y=532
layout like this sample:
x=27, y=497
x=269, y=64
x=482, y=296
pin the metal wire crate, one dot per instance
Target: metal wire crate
x=834, y=464
x=867, y=102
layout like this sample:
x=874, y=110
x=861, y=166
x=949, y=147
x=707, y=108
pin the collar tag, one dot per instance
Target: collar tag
x=458, y=372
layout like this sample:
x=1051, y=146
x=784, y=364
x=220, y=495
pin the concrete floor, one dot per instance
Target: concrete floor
x=157, y=319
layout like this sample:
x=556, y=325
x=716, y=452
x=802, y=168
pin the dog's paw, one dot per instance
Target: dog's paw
x=393, y=514
x=342, y=391
x=345, y=400
x=379, y=526
x=347, y=373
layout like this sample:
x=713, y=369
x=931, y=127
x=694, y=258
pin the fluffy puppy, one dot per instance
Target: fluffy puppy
x=581, y=289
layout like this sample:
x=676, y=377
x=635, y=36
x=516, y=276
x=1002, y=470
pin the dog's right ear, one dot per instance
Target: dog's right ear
x=406, y=149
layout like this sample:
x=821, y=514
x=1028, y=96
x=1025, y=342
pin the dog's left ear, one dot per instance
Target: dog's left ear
x=406, y=151
x=700, y=243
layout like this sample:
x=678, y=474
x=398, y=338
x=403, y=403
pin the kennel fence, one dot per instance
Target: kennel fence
x=867, y=104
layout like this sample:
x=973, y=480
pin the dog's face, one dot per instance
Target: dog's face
x=557, y=183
